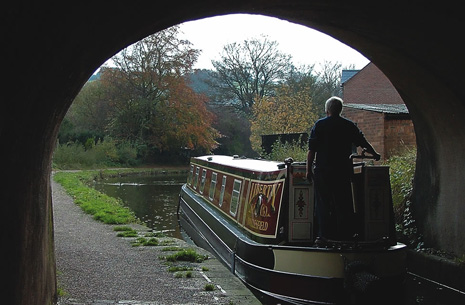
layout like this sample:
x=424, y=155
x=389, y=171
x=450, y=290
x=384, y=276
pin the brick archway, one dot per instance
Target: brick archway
x=50, y=49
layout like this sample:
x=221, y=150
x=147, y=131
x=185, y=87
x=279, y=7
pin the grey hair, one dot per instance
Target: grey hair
x=333, y=105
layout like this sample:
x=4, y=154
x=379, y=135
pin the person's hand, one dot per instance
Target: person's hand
x=309, y=175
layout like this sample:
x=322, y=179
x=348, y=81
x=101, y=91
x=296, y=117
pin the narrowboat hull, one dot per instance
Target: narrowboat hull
x=286, y=273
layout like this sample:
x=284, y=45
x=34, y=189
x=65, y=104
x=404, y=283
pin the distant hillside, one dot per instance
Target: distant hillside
x=200, y=80
x=95, y=76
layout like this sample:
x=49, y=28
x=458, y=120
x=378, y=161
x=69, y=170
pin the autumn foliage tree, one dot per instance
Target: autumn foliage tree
x=143, y=101
x=289, y=111
x=183, y=120
x=152, y=105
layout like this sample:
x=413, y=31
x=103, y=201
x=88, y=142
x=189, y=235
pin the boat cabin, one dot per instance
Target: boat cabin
x=273, y=202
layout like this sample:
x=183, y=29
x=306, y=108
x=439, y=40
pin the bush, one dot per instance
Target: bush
x=102, y=154
x=127, y=154
x=281, y=151
x=68, y=156
x=402, y=171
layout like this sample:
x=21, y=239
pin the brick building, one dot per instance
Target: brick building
x=372, y=102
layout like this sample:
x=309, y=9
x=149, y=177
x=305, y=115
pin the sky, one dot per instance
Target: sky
x=307, y=46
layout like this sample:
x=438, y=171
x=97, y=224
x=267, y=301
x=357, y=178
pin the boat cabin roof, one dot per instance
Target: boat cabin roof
x=254, y=165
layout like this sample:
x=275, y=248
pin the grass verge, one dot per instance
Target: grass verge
x=103, y=207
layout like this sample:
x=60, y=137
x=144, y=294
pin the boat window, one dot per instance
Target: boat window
x=196, y=177
x=191, y=175
x=211, y=194
x=202, y=183
x=223, y=187
x=235, y=197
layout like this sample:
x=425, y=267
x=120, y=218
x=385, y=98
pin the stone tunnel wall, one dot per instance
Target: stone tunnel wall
x=51, y=48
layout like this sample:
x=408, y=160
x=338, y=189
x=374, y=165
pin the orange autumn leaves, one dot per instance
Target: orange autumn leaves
x=184, y=121
x=151, y=103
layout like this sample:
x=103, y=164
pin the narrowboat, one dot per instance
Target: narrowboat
x=257, y=216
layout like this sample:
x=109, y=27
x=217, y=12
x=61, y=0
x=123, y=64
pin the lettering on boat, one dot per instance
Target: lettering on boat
x=263, y=205
x=259, y=225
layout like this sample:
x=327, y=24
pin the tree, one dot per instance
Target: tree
x=302, y=78
x=328, y=84
x=183, y=121
x=287, y=112
x=139, y=81
x=233, y=126
x=145, y=101
x=235, y=132
x=250, y=69
x=87, y=116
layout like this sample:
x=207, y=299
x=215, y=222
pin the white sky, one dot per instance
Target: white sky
x=307, y=46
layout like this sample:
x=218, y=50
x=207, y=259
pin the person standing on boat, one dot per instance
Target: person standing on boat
x=331, y=141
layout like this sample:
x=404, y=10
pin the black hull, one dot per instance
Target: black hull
x=253, y=262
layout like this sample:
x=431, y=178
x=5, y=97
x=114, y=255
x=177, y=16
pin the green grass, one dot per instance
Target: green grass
x=103, y=207
x=131, y=233
x=167, y=242
x=187, y=255
x=122, y=229
x=142, y=241
x=61, y=292
x=172, y=248
x=209, y=287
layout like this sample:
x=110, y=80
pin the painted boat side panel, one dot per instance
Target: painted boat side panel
x=223, y=231
x=263, y=207
x=253, y=204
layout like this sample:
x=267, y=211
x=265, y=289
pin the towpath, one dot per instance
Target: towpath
x=95, y=267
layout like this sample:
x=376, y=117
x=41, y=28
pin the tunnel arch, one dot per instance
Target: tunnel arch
x=53, y=48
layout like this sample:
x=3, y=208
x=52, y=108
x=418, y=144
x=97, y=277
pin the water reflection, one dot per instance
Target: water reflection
x=153, y=199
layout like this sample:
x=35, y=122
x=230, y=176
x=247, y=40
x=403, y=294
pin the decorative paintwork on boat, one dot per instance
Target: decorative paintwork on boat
x=257, y=217
x=247, y=191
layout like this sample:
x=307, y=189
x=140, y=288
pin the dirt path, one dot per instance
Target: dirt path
x=95, y=267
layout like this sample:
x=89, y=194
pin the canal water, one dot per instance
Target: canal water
x=154, y=200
